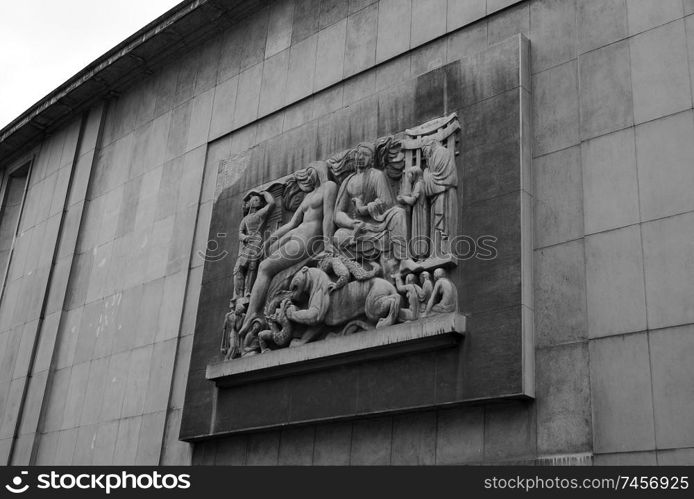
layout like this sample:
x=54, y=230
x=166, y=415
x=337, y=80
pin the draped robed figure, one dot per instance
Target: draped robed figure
x=440, y=185
x=370, y=222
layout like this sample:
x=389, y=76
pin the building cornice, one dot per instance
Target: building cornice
x=175, y=32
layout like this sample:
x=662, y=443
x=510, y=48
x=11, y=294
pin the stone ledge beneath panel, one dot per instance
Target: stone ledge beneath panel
x=432, y=333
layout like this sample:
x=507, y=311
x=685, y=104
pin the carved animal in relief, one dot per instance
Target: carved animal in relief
x=374, y=299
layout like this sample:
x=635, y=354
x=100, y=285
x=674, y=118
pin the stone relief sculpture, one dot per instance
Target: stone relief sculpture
x=427, y=287
x=362, y=304
x=251, y=240
x=440, y=184
x=430, y=149
x=280, y=332
x=343, y=268
x=413, y=197
x=231, y=341
x=364, y=231
x=289, y=244
x=414, y=296
x=444, y=297
x=370, y=224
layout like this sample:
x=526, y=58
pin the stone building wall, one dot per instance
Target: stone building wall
x=100, y=304
x=35, y=285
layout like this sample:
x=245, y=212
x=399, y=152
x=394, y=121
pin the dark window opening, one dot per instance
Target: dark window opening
x=12, y=194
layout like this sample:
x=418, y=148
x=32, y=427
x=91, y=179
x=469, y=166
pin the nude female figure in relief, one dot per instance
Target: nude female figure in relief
x=290, y=244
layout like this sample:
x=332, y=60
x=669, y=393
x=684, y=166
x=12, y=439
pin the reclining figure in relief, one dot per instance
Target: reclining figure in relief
x=290, y=244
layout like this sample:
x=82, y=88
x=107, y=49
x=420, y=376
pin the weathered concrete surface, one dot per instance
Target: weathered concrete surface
x=626, y=177
x=434, y=332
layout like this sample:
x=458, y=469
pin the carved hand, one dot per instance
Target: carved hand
x=378, y=206
x=362, y=209
x=290, y=312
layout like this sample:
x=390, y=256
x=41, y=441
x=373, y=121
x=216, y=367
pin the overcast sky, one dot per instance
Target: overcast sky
x=45, y=42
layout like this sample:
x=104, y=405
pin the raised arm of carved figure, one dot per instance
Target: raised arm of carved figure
x=270, y=203
x=399, y=285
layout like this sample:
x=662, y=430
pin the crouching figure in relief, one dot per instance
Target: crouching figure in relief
x=414, y=295
x=444, y=297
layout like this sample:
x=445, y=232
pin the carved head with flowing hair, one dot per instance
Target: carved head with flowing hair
x=389, y=156
x=307, y=178
x=341, y=164
x=364, y=155
x=252, y=202
x=322, y=170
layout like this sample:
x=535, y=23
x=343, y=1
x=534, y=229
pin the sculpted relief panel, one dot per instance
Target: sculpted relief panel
x=359, y=241
x=374, y=259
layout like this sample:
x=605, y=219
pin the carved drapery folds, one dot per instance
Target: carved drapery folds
x=358, y=241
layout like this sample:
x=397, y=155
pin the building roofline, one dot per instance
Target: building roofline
x=185, y=25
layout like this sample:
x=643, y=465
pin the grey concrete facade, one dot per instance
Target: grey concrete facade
x=99, y=304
